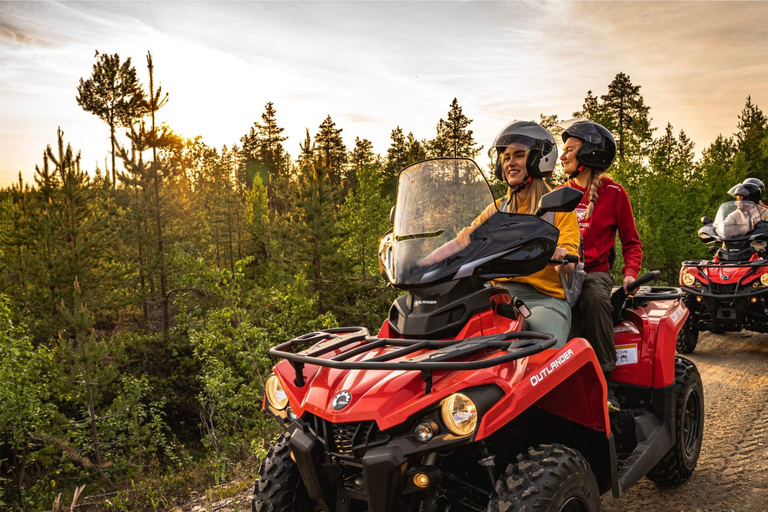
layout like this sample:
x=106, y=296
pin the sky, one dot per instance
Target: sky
x=373, y=66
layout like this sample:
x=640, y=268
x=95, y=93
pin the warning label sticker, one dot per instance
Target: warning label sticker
x=626, y=354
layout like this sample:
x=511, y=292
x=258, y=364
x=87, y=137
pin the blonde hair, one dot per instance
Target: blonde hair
x=537, y=188
x=595, y=182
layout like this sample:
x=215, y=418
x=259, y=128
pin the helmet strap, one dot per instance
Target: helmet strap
x=580, y=169
x=528, y=180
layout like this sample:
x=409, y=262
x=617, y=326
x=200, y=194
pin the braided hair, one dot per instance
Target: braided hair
x=595, y=182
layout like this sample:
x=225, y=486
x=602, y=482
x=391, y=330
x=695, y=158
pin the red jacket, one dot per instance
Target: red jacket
x=612, y=213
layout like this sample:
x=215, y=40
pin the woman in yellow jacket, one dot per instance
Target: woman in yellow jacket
x=525, y=153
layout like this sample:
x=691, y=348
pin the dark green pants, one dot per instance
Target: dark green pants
x=595, y=308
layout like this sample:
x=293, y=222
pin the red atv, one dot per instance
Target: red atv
x=453, y=406
x=728, y=293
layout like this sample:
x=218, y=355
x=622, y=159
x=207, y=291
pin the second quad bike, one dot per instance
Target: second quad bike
x=729, y=292
x=453, y=406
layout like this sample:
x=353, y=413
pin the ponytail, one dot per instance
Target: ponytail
x=594, y=185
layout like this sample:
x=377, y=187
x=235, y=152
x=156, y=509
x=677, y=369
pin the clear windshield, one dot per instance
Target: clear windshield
x=736, y=219
x=435, y=200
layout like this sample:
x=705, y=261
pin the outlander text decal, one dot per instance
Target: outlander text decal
x=554, y=365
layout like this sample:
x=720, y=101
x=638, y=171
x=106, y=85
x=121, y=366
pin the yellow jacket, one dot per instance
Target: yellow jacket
x=547, y=281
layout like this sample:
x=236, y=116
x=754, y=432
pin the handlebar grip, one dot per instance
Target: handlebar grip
x=645, y=278
x=569, y=258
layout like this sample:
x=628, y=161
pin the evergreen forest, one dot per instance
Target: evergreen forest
x=138, y=301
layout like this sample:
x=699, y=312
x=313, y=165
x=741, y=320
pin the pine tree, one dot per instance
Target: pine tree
x=331, y=154
x=264, y=154
x=454, y=139
x=359, y=159
x=628, y=113
x=113, y=94
x=750, y=137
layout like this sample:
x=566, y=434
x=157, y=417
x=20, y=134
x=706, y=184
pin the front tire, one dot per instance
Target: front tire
x=548, y=478
x=279, y=487
x=688, y=336
x=677, y=465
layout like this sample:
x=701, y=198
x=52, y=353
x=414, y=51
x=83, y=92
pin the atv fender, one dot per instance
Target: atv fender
x=567, y=382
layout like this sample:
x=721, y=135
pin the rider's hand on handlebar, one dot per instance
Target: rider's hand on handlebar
x=627, y=281
x=560, y=254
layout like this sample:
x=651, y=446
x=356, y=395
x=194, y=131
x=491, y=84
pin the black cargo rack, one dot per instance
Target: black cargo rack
x=444, y=352
x=708, y=263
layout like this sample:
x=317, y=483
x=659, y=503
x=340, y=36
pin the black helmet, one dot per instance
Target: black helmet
x=748, y=191
x=757, y=182
x=542, y=151
x=599, y=147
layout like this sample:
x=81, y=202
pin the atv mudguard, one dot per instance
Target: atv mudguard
x=566, y=382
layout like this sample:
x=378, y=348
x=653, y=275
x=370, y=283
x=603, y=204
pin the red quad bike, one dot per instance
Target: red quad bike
x=728, y=293
x=453, y=406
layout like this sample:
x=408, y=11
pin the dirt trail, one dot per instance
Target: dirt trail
x=732, y=473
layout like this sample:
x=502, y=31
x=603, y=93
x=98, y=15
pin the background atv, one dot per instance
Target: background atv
x=453, y=406
x=728, y=293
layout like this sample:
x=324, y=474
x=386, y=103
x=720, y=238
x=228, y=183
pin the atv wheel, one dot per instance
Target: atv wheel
x=677, y=465
x=279, y=487
x=688, y=335
x=547, y=478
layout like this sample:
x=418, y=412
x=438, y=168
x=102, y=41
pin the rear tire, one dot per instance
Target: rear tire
x=548, y=478
x=688, y=336
x=677, y=465
x=279, y=487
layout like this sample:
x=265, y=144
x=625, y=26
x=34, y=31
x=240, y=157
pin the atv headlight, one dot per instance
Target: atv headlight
x=459, y=414
x=688, y=279
x=276, y=395
x=764, y=279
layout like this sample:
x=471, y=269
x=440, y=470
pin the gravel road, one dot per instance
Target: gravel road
x=732, y=473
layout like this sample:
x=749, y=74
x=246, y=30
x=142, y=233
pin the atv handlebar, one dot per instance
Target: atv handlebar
x=569, y=258
x=645, y=278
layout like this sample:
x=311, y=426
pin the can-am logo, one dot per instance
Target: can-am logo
x=554, y=365
x=341, y=400
x=420, y=302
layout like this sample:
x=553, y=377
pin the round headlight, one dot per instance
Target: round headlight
x=424, y=431
x=764, y=279
x=459, y=414
x=276, y=395
x=688, y=279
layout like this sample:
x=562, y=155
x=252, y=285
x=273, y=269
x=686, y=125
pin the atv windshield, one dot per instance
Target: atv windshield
x=735, y=219
x=447, y=226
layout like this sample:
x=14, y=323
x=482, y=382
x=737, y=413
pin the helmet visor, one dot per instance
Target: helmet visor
x=526, y=134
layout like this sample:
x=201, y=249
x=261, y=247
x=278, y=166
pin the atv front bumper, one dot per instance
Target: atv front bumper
x=379, y=478
x=729, y=307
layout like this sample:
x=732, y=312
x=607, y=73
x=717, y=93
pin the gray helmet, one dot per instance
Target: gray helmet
x=542, y=151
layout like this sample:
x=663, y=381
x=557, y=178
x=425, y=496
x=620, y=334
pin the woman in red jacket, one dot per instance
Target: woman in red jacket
x=589, y=149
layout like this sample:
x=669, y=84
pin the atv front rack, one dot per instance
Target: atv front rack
x=442, y=355
x=735, y=264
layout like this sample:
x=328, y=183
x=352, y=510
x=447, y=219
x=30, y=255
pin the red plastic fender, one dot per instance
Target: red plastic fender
x=567, y=382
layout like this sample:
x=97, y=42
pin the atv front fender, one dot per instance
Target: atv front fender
x=567, y=382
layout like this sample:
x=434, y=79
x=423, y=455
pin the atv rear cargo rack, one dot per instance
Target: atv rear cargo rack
x=443, y=353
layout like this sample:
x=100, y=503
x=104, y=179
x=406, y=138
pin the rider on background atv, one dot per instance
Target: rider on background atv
x=743, y=219
x=761, y=207
x=525, y=153
x=589, y=149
